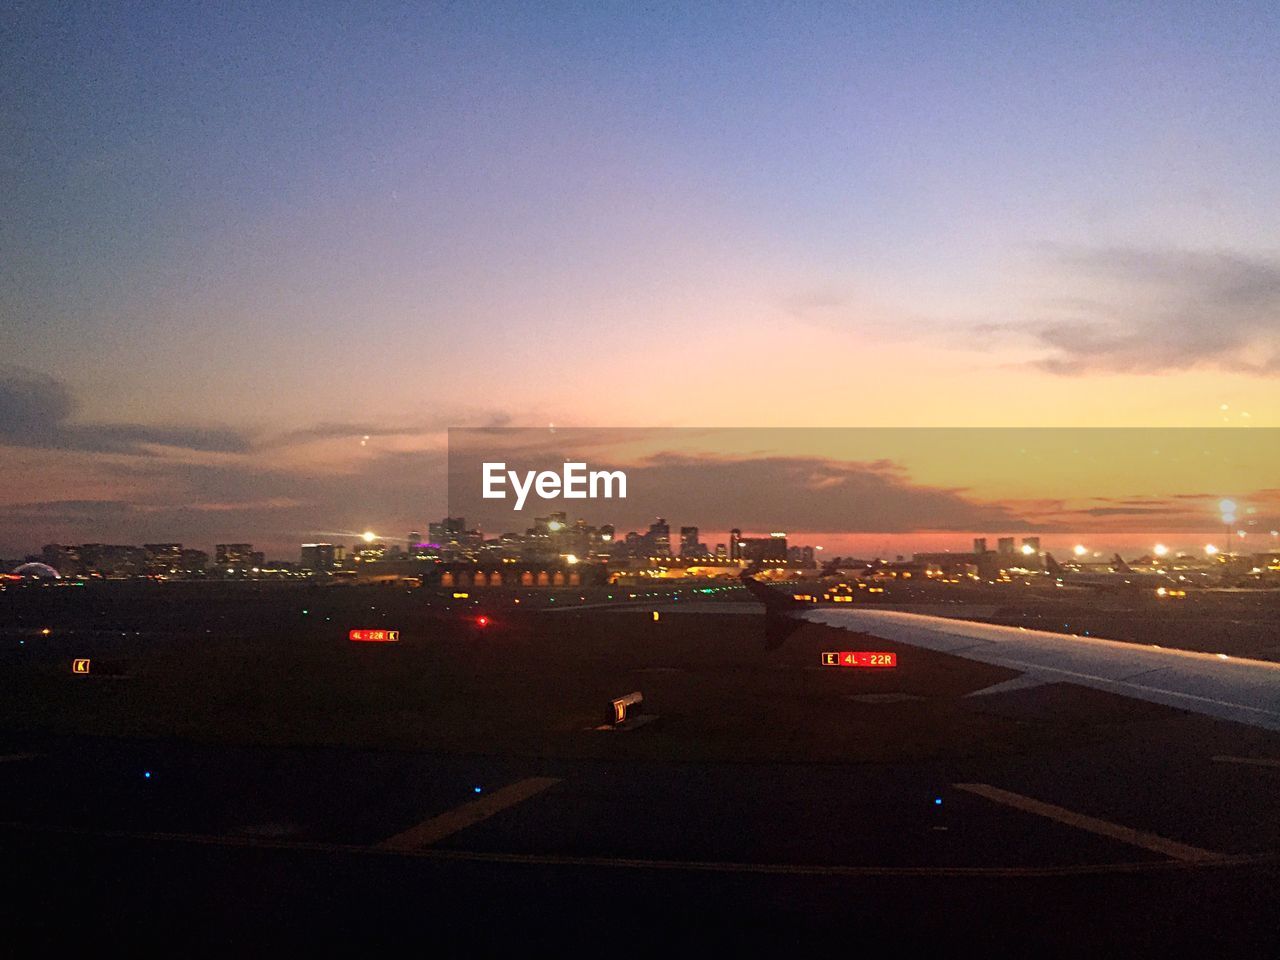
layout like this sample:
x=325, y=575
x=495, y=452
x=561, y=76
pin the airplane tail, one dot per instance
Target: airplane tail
x=1052, y=565
x=1117, y=562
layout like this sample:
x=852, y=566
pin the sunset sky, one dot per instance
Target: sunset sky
x=254, y=259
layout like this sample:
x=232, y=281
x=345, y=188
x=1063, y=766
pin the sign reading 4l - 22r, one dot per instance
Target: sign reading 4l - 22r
x=859, y=658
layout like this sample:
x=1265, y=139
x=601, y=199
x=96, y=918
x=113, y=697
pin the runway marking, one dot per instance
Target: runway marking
x=634, y=863
x=13, y=757
x=1251, y=761
x=437, y=828
x=1137, y=838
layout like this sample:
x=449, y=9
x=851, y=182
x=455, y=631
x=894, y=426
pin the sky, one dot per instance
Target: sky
x=254, y=259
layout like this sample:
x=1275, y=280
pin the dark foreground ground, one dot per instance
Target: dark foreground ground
x=267, y=783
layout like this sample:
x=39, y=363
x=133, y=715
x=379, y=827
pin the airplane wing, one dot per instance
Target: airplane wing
x=1230, y=688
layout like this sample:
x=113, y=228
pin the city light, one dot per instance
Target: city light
x=368, y=536
x=1028, y=549
x=1161, y=550
x=1210, y=549
x=1080, y=550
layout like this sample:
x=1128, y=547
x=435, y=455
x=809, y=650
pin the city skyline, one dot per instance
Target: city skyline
x=256, y=266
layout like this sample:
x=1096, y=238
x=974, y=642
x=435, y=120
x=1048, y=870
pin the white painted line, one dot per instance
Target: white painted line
x=12, y=757
x=437, y=828
x=1251, y=761
x=1137, y=838
x=785, y=869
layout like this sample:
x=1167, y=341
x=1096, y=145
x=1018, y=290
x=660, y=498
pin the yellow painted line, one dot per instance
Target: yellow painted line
x=1137, y=838
x=1251, y=761
x=437, y=828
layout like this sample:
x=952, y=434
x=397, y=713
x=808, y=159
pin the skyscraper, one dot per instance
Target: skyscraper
x=689, y=545
x=659, y=538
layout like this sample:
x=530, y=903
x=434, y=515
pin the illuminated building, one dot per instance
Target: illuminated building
x=236, y=556
x=113, y=560
x=659, y=538
x=689, y=544
x=369, y=552
x=65, y=559
x=451, y=531
x=163, y=558
x=194, y=561
x=319, y=556
x=735, y=544
x=772, y=548
x=801, y=556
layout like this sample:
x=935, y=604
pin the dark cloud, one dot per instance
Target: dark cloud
x=1155, y=311
x=36, y=411
x=204, y=504
x=754, y=493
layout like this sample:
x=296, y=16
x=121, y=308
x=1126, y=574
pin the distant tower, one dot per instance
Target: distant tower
x=735, y=544
x=660, y=538
x=689, y=545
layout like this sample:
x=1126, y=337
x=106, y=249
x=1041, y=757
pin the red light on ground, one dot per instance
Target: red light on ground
x=482, y=621
x=859, y=658
x=374, y=636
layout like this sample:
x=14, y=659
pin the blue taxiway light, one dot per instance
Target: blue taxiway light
x=476, y=789
x=146, y=775
x=937, y=801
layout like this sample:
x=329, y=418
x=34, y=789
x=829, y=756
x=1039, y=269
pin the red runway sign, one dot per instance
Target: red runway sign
x=374, y=636
x=859, y=658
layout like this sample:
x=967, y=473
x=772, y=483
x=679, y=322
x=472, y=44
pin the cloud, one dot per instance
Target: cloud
x=1148, y=311
x=760, y=493
x=489, y=419
x=36, y=411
